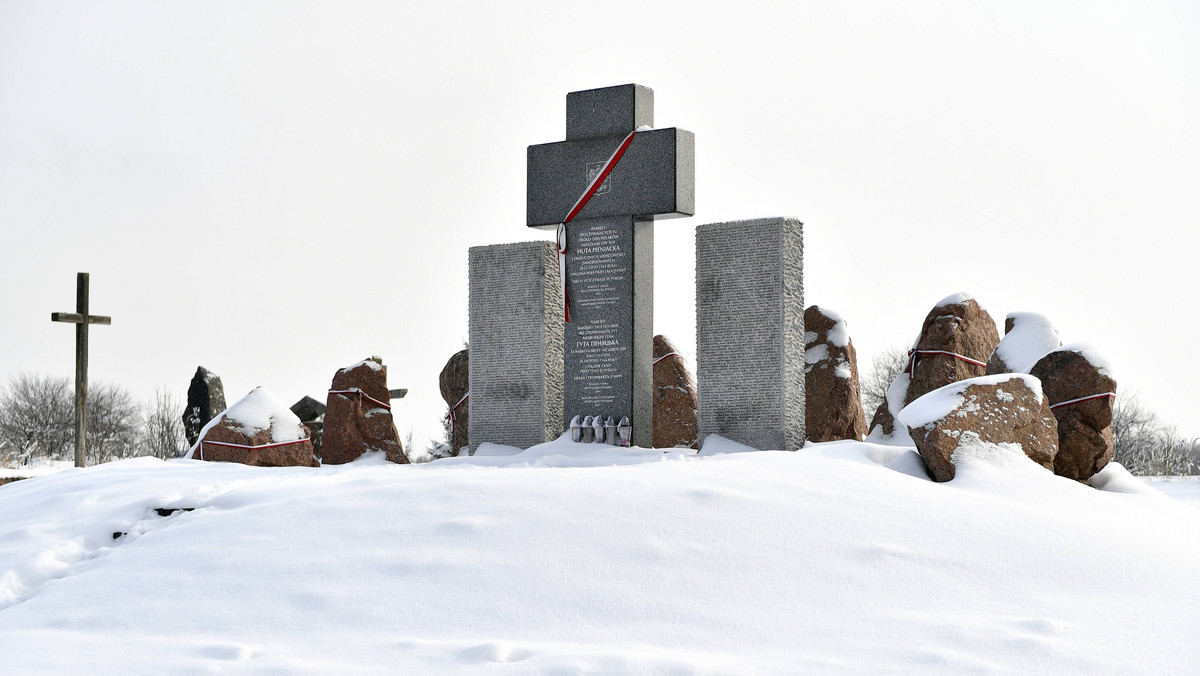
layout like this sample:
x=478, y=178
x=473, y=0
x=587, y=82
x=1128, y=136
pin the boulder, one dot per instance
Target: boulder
x=1001, y=409
x=455, y=382
x=675, y=403
x=883, y=422
x=205, y=399
x=955, y=342
x=358, y=417
x=1028, y=336
x=1082, y=393
x=833, y=402
x=257, y=430
x=312, y=413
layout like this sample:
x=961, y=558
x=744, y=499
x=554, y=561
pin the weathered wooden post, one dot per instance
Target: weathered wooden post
x=81, y=319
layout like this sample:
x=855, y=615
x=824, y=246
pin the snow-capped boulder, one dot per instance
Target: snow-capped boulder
x=955, y=342
x=257, y=430
x=833, y=402
x=1082, y=392
x=1001, y=409
x=675, y=404
x=1028, y=336
x=205, y=399
x=358, y=416
x=454, y=383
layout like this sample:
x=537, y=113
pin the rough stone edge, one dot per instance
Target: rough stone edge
x=792, y=236
x=553, y=341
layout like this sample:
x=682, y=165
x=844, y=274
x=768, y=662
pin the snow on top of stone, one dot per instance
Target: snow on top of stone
x=838, y=336
x=816, y=353
x=375, y=366
x=830, y=313
x=943, y=401
x=1031, y=338
x=1089, y=353
x=260, y=410
x=960, y=297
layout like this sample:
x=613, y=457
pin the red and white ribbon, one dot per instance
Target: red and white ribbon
x=229, y=445
x=576, y=208
x=450, y=415
x=669, y=354
x=913, y=354
x=1104, y=395
x=363, y=395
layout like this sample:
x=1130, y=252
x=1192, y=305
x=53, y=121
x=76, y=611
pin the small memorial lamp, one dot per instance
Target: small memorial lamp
x=589, y=434
x=625, y=430
x=576, y=429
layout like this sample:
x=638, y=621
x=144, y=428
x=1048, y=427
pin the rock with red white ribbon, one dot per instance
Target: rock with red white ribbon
x=1028, y=336
x=257, y=430
x=832, y=402
x=956, y=340
x=1002, y=409
x=675, y=404
x=454, y=382
x=1082, y=392
x=358, y=416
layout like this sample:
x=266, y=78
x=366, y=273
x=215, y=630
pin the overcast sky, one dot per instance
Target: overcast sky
x=275, y=190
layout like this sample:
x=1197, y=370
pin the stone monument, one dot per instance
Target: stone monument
x=205, y=400
x=516, y=335
x=750, y=331
x=601, y=188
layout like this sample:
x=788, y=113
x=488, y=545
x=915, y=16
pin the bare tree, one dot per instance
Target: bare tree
x=37, y=418
x=885, y=366
x=114, y=424
x=162, y=428
x=1145, y=445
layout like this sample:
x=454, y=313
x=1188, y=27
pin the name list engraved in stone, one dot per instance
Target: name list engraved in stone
x=600, y=277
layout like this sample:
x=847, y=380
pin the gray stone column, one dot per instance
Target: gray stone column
x=516, y=335
x=750, y=331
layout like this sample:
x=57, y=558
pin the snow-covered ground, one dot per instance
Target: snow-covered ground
x=564, y=559
x=41, y=468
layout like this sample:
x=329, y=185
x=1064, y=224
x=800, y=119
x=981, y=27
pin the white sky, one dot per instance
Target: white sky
x=277, y=190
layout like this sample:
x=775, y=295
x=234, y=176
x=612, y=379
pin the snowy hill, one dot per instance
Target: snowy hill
x=835, y=558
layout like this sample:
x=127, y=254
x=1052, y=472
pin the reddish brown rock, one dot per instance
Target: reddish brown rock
x=1027, y=338
x=358, y=416
x=675, y=421
x=257, y=430
x=455, y=382
x=1001, y=409
x=833, y=402
x=1085, y=444
x=957, y=325
x=883, y=422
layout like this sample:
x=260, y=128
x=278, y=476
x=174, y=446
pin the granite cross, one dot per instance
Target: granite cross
x=81, y=318
x=609, y=242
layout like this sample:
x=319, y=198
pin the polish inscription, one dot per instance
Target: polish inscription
x=601, y=282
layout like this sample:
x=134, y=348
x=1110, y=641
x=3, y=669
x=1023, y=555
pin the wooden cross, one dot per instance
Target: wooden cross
x=81, y=318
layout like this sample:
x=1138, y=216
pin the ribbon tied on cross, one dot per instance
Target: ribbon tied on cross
x=588, y=192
